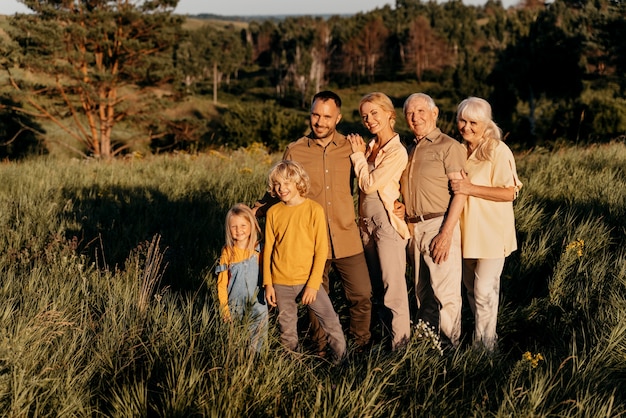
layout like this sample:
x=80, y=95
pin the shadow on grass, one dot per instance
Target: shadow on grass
x=528, y=318
x=114, y=221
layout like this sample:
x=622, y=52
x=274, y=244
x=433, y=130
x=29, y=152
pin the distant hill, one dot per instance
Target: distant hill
x=230, y=19
x=276, y=18
x=195, y=21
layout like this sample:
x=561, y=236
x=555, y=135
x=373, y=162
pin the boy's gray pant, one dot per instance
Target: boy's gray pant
x=322, y=307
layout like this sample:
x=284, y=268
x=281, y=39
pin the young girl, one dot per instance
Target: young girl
x=239, y=287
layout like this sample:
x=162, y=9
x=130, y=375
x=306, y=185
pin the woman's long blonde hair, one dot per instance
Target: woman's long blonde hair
x=475, y=108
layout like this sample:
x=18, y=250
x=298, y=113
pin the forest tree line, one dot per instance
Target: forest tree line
x=552, y=72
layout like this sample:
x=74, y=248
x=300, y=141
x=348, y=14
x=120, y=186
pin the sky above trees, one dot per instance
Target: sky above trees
x=267, y=7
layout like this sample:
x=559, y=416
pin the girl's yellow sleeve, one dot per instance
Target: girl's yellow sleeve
x=222, y=284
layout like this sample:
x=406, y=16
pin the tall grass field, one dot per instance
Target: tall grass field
x=108, y=301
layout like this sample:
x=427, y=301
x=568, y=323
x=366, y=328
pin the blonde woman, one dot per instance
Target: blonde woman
x=491, y=185
x=378, y=167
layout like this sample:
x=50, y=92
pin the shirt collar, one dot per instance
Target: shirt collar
x=314, y=141
x=431, y=136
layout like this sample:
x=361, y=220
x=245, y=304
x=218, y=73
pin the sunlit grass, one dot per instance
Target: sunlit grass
x=108, y=301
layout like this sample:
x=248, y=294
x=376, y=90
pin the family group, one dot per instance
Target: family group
x=447, y=205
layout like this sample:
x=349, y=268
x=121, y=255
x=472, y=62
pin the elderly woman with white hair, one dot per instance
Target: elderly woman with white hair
x=491, y=184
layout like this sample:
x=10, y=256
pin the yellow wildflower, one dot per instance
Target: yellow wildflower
x=533, y=360
x=577, y=246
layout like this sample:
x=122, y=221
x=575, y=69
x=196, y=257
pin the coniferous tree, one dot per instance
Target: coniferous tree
x=98, y=59
x=300, y=53
x=426, y=49
x=211, y=53
x=364, y=46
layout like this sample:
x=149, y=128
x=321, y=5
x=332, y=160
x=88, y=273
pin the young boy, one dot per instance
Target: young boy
x=296, y=248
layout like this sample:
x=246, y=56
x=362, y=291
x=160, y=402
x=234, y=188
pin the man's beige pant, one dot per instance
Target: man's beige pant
x=439, y=281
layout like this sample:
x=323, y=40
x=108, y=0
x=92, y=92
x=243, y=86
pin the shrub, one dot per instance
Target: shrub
x=244, y=124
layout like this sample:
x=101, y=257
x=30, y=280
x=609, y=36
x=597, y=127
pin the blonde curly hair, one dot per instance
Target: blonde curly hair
x=292, y=171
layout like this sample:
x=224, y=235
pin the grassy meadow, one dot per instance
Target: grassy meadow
x=108, y=301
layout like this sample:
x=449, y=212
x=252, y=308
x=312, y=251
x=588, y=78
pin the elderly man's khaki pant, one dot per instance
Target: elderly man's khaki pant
x=441, y=282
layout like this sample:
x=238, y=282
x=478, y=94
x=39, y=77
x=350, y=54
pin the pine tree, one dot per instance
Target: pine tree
x=99, y=59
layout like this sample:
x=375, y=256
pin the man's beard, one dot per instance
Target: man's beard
x=329, y=133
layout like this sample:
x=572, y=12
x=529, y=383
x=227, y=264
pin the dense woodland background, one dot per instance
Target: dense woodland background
x=107, y=292
x=104, y=78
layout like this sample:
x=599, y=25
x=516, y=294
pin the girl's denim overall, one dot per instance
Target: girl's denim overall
x=246, y=298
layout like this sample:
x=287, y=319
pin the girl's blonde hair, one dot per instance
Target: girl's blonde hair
x=245, y=212
x=292, y=171
x=381, y=99
x=475, y=108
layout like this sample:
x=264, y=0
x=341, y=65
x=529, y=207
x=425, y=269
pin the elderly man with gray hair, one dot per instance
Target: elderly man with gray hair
x=432, y=214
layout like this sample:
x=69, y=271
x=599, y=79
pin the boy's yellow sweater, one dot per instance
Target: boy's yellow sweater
x=296, y=245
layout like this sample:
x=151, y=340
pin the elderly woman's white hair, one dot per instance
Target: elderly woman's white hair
x=478, y=109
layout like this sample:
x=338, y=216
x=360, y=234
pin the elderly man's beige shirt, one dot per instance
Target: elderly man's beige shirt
x=424, y=183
